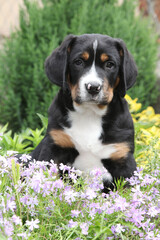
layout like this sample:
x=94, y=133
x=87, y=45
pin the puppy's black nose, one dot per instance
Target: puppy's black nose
x=93, y=88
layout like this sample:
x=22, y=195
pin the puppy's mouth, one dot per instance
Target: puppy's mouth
x=103, y=97
x=91, y=99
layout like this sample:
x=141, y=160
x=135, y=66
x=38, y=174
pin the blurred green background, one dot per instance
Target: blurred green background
x=24, y=87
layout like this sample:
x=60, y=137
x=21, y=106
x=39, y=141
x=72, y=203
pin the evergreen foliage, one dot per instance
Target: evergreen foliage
x=24, y=87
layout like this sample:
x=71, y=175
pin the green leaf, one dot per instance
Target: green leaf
x=15, y=171
x=44, y=120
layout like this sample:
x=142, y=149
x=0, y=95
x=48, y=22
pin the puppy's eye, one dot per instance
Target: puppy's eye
x=109, y=64
x=78, y=62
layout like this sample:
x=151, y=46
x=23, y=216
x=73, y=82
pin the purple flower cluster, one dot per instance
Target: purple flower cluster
x=39, y=199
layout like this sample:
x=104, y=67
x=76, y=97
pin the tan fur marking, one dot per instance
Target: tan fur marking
x=85, y=56
x=78, y=104
x=117, y=82
x=104, y=57
x=74, y=89
x=122, y=150
x=107, y=90
x=110, y=94
x=121, y=53
x=100, y=106
x=61, y=138
x=68, y=78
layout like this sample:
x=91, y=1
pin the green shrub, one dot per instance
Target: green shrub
x=24, y=88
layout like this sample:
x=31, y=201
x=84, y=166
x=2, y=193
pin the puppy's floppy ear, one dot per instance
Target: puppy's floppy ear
x=128, y=70
x=56, y=63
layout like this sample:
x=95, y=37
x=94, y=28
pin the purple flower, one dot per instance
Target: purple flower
x=84, y=227
x=70, y=195
x=53, y=168
x=17, y=220
x=27, y=173
x=110, y=210
x=10, y=153
x=75, y=213
x=58, y=184
x=46, y=188
x=156, y=172
x=32, y=224
x=24, y=199
x=72, y=224
x=133, y=180
x=138, y=173
x=150, y=235
x=25, y=158
x=154, y=192
x=97, y=172
x=64, y=168
x=137, y=190
x=145, y=225
x=1, y=135
x=120, y=203
x=153, y=211
x=118, y=228
x=138, y=197
x=92, y=213
x=73, y=176
x=135, y=215
x=36, y=182
x=95, y=208
x=77, y=172
x=8, y=228
x=158, y=236
x=32, y=201
x=11, y=205
x=148, y=180
x=23, y=235
x=90, y=193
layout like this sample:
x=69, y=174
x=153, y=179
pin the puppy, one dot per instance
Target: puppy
x=89, y=123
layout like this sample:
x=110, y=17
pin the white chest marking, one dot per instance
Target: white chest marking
x=85, y=131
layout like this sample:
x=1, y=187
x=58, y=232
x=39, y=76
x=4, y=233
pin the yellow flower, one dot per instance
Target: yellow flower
x=147, y=126
x=133, y=105
x=155, y=131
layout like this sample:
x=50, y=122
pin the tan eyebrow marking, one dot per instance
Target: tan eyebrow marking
x=61, y=138
x=104, y=57
x=122, y=149
x=85, y=56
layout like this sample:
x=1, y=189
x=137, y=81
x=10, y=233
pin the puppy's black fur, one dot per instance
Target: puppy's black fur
x=69, y=67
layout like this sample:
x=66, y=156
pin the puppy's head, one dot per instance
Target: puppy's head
x=93, y=66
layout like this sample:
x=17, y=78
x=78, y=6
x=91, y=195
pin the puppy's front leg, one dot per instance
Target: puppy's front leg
x=113, y=151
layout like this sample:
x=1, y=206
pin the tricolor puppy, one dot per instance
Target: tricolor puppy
x=89, y=122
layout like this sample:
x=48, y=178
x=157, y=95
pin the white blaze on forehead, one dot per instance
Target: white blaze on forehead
x=95, y=44
x=91, y=76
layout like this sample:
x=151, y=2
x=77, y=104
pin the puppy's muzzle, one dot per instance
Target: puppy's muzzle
x=93, y=88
